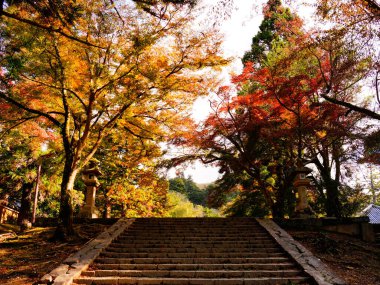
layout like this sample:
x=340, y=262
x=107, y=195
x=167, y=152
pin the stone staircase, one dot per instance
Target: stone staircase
x=194, y=251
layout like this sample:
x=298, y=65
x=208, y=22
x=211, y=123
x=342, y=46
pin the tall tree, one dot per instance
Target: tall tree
x=149, y=72
x=269, y=31
x=274, y=118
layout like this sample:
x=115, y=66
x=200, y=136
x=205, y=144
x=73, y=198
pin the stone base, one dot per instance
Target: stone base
x=307, y=213
x=88, y=212
x=301, y=215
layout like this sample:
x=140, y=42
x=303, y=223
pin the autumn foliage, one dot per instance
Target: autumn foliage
x=131, y=76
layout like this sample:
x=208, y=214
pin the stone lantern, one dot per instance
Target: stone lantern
x=89, y=176
x=301, y=183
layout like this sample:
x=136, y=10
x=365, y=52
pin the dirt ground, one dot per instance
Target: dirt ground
x=355, y=261
x=27, y=257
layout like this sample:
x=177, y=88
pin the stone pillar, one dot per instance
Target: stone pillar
x=91, y=181
x=301, y=183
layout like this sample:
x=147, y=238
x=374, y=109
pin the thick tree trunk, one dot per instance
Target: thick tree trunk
x=65, y=227
x=25, y=214
x=333, y=205
x=278, y=209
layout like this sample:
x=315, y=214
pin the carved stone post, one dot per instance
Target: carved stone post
x=301, y=183
x=91, y=181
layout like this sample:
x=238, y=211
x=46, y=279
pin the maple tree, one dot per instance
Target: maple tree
x=140, y=84
x=59, y=16
x=277, y=119
x=20, y=157
x=130, y=181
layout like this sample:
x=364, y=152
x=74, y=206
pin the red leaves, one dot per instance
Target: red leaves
x=247, y=73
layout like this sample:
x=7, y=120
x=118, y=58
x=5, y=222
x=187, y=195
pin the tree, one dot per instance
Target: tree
x=189, y=188
x=177, y=184
x=277, y=119
x=19, y=156
x=130, y=182
x=269, y=31
x=59, y=17
x=139, y=84
x=349, y=47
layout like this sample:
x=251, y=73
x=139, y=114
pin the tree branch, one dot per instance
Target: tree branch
x=30, y=110
x=350, y=106
x=48, y=28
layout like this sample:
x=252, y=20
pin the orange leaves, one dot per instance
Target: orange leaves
x=245, y=75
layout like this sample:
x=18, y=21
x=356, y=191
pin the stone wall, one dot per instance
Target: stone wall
x=51, y=222
x=357, y=227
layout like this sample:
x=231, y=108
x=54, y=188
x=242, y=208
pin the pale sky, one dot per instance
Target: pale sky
x=238, y=31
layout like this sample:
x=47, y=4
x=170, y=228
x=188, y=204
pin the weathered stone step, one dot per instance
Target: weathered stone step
x=195, y=231
x=237, y=236
x=226, y=227
x=195, y=220
x=199, y=249
x=190, y=281
x=125, y=238
x=195, y=226
x=243, y=266
x=205, y=260
x=187, y=243
x=194, y=273
x=274, y=253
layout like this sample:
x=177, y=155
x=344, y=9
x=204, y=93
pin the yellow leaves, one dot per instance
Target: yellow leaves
x=321, y=134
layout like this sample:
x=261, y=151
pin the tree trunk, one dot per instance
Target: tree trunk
x=123, y=210
x=333, y=205
x=107, y=206
x=278, y=209
x=36, y=190
x=24, y=216
x=65, y=227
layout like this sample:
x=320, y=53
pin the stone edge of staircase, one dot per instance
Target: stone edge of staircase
x=73, y=266
x=313, y=266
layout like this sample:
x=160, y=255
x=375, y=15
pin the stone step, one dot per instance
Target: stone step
x=190, y=281
x=243, y=266
x=196, y=224
x=205, y=260
x=171, y=244
x=164, y=236
x=194, y=273
x=275, y=253
x=235, y=239
x=208, y=232
x=137, y=224
x=193, y=250
x=195, y=220
x=195, y=227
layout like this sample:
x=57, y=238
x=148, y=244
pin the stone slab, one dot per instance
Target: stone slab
x=74, y=265
x=313, y=266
